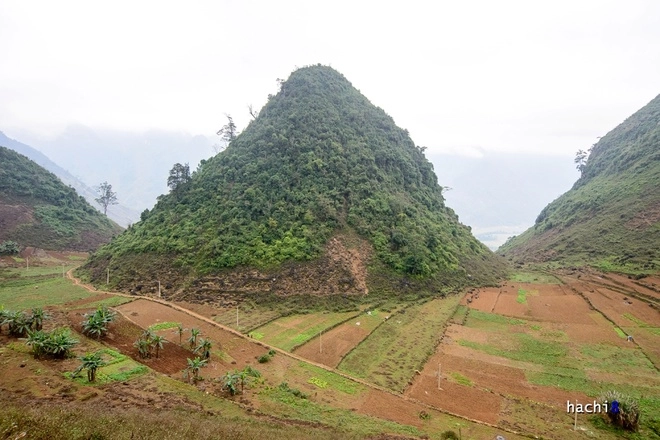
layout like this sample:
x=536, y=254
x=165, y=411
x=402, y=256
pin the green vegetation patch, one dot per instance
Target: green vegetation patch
x=390, y=355
x=461, y=380
x=281, y=402
x=534, y=277
x=31, y=292
x=611, y=358
x=522, y=296
x=479, y=319
x=292, y=331
x=528, y=349
x=318, y=382
x=620, y=332
x=117, y=368
x=163, y=326
x=331, y=380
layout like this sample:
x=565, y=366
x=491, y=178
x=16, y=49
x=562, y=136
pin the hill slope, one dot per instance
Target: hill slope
x=611, y=216
x=37, y=209
x=318, y=194
x=118, y=213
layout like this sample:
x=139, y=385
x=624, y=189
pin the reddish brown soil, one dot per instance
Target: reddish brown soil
x=336, y=344
x=483, y=299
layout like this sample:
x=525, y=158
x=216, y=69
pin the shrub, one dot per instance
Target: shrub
x=449, y=435
x=623, y=411
x=9, y=248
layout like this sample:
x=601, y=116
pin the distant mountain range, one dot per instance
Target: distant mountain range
x=37, y=209
x=136, y=164
x=121, y=214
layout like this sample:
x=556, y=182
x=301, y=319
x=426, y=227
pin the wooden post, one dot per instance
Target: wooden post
x=321, y=341
x=158, y=288
x=27, y=263
x=62, y=270
x=107, y=277
x=575, y=426
x=236, y=316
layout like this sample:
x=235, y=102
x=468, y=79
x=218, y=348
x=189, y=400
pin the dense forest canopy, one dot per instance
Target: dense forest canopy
x=319, y=158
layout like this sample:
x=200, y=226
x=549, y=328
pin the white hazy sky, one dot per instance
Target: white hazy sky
x=462, y=76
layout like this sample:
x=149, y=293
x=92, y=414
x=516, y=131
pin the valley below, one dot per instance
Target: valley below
x=492, y=361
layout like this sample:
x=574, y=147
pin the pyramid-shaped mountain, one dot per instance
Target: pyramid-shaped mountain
x=322, y=193
x=37, y=209
x=611, y=216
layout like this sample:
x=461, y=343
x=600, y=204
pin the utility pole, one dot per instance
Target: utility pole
x=321, y=341
x=27, y=263
x=439, y=374
x=107, y=277
x=158, y=288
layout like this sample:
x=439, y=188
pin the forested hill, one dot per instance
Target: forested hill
x=611, y=216
x=319, y=188
x=37, y=209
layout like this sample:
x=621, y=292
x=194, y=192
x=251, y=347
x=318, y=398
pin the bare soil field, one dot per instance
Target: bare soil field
x=339, y=341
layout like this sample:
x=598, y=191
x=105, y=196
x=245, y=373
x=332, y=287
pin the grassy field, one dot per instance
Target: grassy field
x=38, y=291
x=292, y=331
x=398, y=347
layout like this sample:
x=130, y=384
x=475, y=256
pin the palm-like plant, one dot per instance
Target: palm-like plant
x=37, y=340
x=144, y=347
x=230, y=382
x=204, y=348
x=179, y=329
x=157, y=343
x=60, y=343
x=38, y=317
x=192, y=370
x=194, y=334
x=91, y=362
x=19, y=323
x=96, y=324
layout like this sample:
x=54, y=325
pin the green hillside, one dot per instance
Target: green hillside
x=611, y=216
x=37, y=209
x=320, y=183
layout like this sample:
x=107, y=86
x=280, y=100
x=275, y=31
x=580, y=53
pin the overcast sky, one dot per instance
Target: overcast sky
x=464, y=77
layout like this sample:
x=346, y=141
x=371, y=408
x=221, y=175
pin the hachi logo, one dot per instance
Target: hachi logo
x=592, y=408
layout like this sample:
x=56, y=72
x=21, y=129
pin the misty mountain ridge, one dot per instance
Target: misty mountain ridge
x=610, y=218
x=500, y=194
x=135, y=164
x=119, y=213
x=37, y=209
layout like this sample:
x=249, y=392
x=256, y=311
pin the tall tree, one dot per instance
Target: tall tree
x=228, y=132
x=106, y=196
x=581, y=159
x=179, y=176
